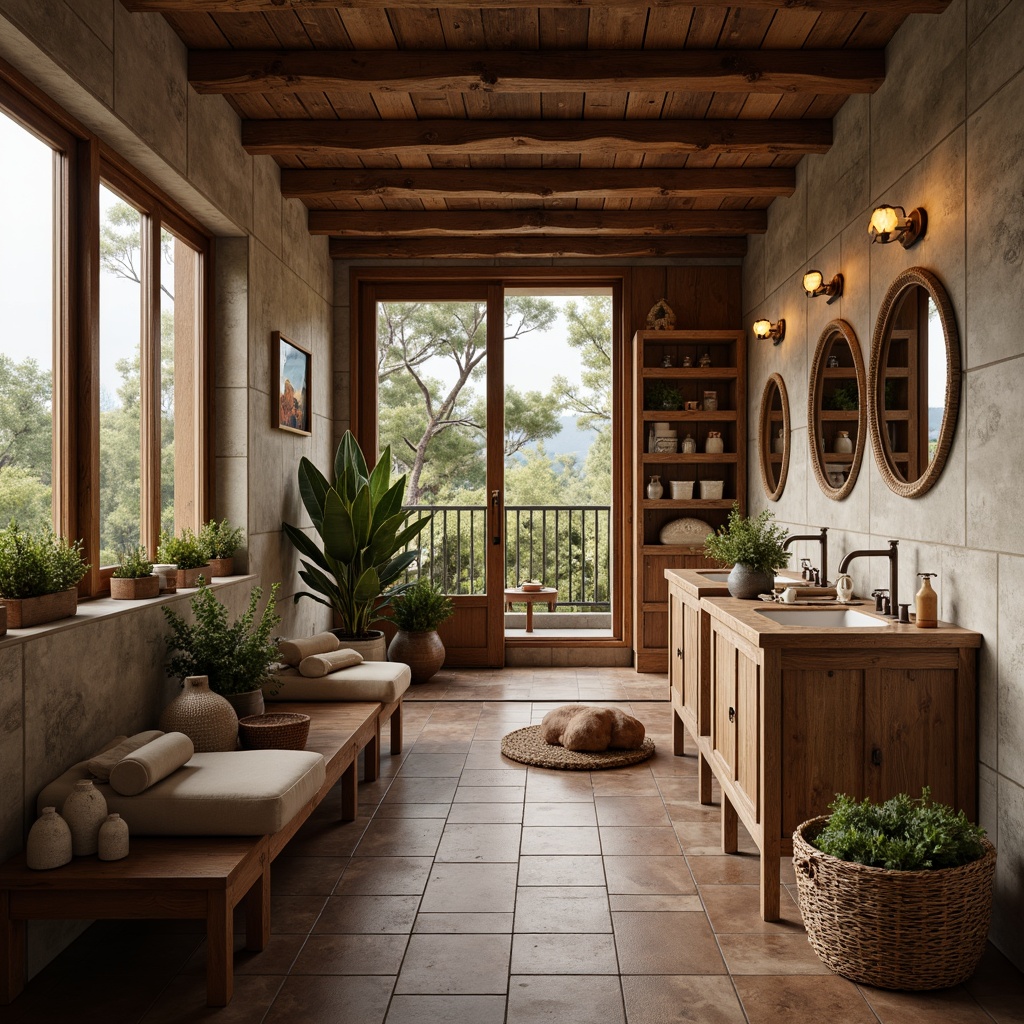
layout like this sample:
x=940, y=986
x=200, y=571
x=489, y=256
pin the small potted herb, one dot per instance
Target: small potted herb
x=133, y=579
x=417, y=613
x=895, y=894
x=753, y=547
x=221, y=541
x=39, y=575
x=186, y=552
x=662, y=395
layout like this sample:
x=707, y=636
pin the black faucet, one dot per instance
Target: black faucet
x=822, y=539
x=894, y=571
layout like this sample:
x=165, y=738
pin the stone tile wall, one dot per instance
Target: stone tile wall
x=944, y=132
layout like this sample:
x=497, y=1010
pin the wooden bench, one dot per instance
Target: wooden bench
x=196, y=877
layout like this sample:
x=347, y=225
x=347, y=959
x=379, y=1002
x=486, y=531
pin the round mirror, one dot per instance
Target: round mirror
x=773, y=436
x=836, y=418
x=914, y=382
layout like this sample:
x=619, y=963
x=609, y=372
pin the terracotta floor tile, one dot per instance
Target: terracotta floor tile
x=306, y=876
x=479, y=843
x=548, y=786
x=644, y=840
x=666, y=943
x=564, y=870
x=998, y=987
x=769, y=1000
x=629, y=810
x=650, y=876
x=470, y=888
x=447, y=1010
x=463, y=924
x=426, y=791
x=351, y=954
x=650, y=904
x=950, y=1006
x=325, y=837
x=400, y=837
x=484, y=814
x=412, y=810
x=385, y=876
x=327, y=1000
x=561, y=813
x=690, y=810
x=769, y=953
x=725, y=869
x=737, y=908
x=542, y=840
x=562, y=909
x=426, y=766
x=455, y=965
x=294, y=913
x=563, y=954
x=611, y=783
x=185, y=1000
x=687, y=999
x=561, y=999
x=493, y=777
x=368, y=915
x=700, y=838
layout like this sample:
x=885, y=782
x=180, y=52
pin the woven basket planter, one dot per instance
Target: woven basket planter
x=34, y=611
x=282, y=731
x=910, y=930
x=134, y=589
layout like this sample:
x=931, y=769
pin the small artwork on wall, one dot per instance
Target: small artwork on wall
x=293, y=367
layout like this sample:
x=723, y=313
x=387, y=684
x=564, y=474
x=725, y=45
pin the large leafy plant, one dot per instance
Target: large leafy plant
x=422, y=608
x=364, y=537
x=755, y=541
x=33, y=563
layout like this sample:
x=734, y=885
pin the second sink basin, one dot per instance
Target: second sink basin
x=828, y=617
x=723, y=577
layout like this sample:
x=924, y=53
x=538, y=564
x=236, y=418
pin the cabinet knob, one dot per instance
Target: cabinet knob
x=732, y=714
x=679, y=652
x=876, y=756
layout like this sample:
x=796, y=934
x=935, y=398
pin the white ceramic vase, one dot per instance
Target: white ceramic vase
x=85, y=810
x=654, y=488
x=843, y=445
x=113, y=838
x=49, y=842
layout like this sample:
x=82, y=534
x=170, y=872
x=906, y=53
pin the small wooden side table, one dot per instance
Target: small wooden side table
x=549, y=595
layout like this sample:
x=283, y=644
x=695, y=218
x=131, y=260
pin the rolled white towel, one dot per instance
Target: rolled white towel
x=151, y=763
x=317, y=665
x=293, y=651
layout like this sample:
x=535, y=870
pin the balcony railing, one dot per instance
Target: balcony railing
x=563, y=546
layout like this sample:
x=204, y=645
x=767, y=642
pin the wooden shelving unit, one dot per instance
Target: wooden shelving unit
x=727, y=377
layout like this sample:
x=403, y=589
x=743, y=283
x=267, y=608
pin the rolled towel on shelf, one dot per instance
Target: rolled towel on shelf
x=293, y=651
x=101, y=765
x=149, y=764
x=317, y=665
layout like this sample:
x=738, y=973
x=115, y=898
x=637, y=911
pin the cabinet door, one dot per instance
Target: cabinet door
x=676, y=646
x=748, y=729
x=723, y=677
x=692, y=658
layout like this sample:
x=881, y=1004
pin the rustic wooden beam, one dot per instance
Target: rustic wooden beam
x=466, y=223
x=602, y=247
x=330, y=183
x=517, y=71
x=602, y=138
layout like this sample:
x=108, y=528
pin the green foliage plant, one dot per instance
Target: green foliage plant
x=844, y=396
x=363, y=533
x=662, y=395
x=753, y=541
x=133, y=564
x=220, y=540
x=422, y=608
x=185, y=551
x=902, y=834
x=235, y=656
x=37, y=562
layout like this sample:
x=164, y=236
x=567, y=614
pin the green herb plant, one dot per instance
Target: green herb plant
x=33, y=563
x=422, y=608
x=845, y=396
x=662, y=395
x=234, y=656
x=185, y=551
x=902, y=834
x=753, y=541
x=133, y=564
x=220, y=540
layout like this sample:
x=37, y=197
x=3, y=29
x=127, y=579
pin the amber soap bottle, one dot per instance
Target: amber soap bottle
x=927, y=603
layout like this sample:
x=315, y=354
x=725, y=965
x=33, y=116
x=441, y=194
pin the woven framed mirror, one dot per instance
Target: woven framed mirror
x=773, y=437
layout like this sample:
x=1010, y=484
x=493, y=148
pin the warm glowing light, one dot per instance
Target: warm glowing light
x=762, y=328
x=884, y=221
x=766, y=329
x=812, y=281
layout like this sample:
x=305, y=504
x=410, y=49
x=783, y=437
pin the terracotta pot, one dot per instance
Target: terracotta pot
x=134, y=590
x=189, y=578
x=422, y=652
x=221, y=567
x=373, y=646
x=33, y=611
x=246, y=704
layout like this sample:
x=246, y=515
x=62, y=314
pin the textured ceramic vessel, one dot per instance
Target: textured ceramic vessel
x=219, y=567
x=423, y=652
x=843, y=444
x=246, y=704
x=373, y=647
x=113, y=838
x=85, y=810
x=206, y=718
x=49, y=842
x=747, y=583
x=139, y=589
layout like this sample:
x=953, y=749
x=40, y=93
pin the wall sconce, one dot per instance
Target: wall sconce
x=814, y=284
x=766, y=329
x=892, y=223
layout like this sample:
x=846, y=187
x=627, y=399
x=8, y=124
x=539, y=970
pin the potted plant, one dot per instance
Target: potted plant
x=753, y=547
x=221, y=541
x=187, y=552
x=133, y=579
x=417, y=613
x=39, y=574
x=895, y=895
x=662, y=395
x=234, y=657
x=365, y=536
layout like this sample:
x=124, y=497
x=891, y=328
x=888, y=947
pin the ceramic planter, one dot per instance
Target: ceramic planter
x=189, y=578
x=33, y=611
x=134, y=590
x=747, y=583
x=422, y=652
x=246, y=704
x=373, y=647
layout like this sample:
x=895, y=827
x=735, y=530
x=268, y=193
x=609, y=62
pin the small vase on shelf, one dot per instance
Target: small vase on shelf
x=714, y=445
x=843, y=445
x=85, y=810
x=779, y=444
x=49, y=842
x=654, y=488
x=113, y=838
x=688, y=445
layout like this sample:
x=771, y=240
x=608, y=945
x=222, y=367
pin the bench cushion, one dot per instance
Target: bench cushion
x=236, y=793
x=383, y=681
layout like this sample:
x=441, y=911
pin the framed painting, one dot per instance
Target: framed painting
x=293, y=368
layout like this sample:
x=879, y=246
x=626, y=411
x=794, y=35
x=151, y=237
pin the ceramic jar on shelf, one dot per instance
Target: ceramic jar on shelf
x=714, y=445
x=843, y=445
x=49, y=842
x=85, y=810
x=654, y=488
x=779, y=444
x=688, y=445
x=113, y=838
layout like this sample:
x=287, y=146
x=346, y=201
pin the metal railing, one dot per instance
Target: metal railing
x=563, y=546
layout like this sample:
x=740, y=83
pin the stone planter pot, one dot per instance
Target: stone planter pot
x=747, y=583
x=34, y=611
x=221, y=567
x=134, y=590
x=373, y=646
x=422, y=652
x=189, y=578
x=246, y=704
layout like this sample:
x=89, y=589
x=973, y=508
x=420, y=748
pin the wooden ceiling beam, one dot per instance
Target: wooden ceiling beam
x=467, y=223
x=331, y=183
x=618, y=248
x=560, y=137
x=817, y=72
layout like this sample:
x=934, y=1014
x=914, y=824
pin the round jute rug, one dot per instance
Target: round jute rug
x=527, y=747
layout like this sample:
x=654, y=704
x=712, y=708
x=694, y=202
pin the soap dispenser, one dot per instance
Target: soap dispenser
x=927, y=603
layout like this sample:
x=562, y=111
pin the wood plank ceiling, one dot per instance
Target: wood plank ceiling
x=418, y=128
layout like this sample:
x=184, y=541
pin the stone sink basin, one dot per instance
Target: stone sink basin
x=828, y=618
x=723, y=577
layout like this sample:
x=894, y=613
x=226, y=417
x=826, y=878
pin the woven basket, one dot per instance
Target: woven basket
x=280, y=731
x=893, y=929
